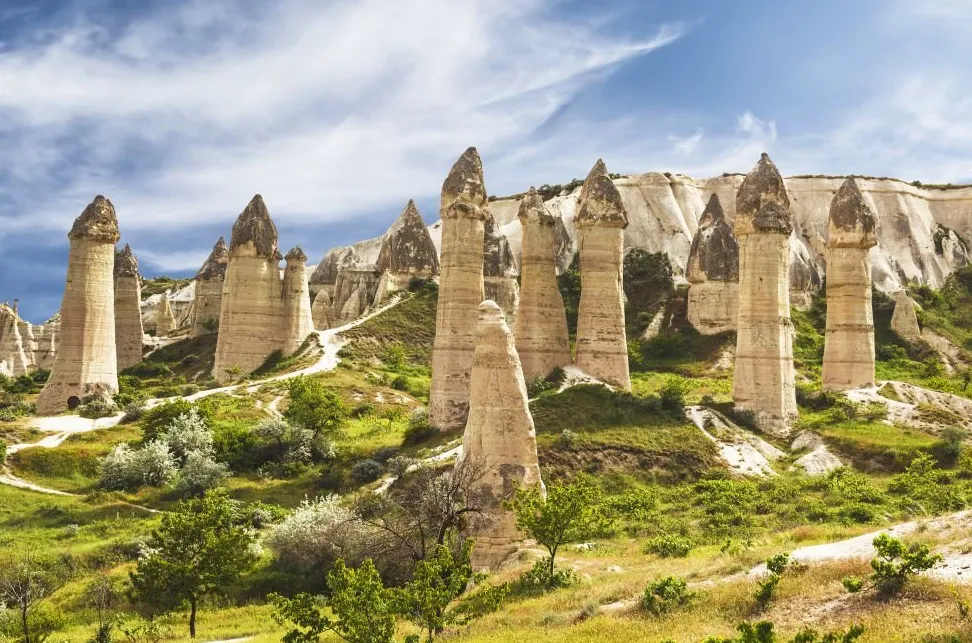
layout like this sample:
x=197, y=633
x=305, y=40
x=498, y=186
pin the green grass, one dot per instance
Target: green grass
x=878, y=446
x=409, y=325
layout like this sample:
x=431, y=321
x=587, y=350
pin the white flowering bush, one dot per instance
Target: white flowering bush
x=201, y=473
x=187, y=434
x=317, y=533
x=128, y=468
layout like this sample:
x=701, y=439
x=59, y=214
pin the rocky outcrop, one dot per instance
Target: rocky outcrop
x=713, y=273
x=354, y=292
x=14, y=357
x=209, y=290
x=904, y=321
x=321, y=310
x=407, y=251
x=601, y=346
x=165, y=323
x=464, y=211
x=86, y=363
x=128, y=313
x=298, y=323
x=499, y=270
x=848, y=360
x=542, y=340
x=763, y=379
x=500, y=436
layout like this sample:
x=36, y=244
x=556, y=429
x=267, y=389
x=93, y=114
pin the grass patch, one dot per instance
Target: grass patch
x=410, y=325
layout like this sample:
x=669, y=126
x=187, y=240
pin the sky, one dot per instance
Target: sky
x=339, y=111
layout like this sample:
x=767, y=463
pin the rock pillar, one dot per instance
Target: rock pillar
x=128, y=309
x=406, y=253
x=250, y=317
x=321, y=310
x=298, y=323
x=499, y=436
x=541, y=322
x=713, y=273
x=164, y=320
x=86, y=363
x=601, y=346
x=904, y=321
x=499, y=270
x=848, y=360
x=763, y=379
x=463, y=210
x=209, y=291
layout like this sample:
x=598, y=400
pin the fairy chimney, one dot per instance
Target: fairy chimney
x=848, y=360
x=542, y=339
x=463, y=210
x=321, y=310
x=407, y=251
x=164, y=320
x=500, y=436
x=713, y=273
x=601, y=346
x=499, y=269
x=763, y=379
x=86, y=363
x=298, y=323
x=128, y=309
x=904, y=321
x=209, y=290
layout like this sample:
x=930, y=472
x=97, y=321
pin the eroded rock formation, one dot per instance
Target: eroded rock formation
x=406, y=252
x=128, y=311
x=499, y=270
x=354, y=292
x=464, y=210
x=86, y=363
x=500, y=435
x=165, y=322
x=848, y=360
x=763, y=379
x=904, y=321
x=542, y=340
x=298, y=323
x=601, y=346
x=321, y=310
x=25, y=347
x=209, y=290
x=713, y=272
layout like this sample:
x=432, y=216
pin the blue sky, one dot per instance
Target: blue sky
x=339, y=111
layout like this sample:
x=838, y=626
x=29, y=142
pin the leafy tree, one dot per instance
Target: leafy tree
x=896, y=563
x=197, y=551
x=315, y=407
x=437, y=582
x=102, y=596
x=567, y=513
x=648, y=283
x=25, y=581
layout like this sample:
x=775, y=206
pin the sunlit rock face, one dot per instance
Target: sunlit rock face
x=904, y=321
x=86, y=363
x=713, y=273
x=209, y=290
x=128, y=309
x=165, y=321
x=298, y=323
x=25, y=347
x=848, y=360
x=321, y=310
x=499, y=270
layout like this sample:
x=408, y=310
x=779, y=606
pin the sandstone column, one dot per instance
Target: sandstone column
x=164, y=321
x=848, y=360
x=463, y=210
x=499, y=435
x=499, y=270
x=713, y=272
x=250, y=317
x=209, y=290
x=904, y=321
x=763, y=379
x=298, y=323
x=321, y=310
x=541, y=322
x=15, y=359
x=128, y=309
x=86, y=362
x=601, y=346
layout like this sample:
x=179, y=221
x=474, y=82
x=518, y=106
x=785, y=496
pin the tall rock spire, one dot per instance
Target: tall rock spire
x=164, y=320
x=298, y=323
x=713, y=273
x=209, y=290
x=128, y=309
x=254, y=226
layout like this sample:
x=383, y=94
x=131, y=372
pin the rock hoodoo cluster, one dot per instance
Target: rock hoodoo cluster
x=713, y=272
x=601, y=346
x=24, y=346
x=209, y=290
x=165, y=322
x=904, y=321
x=298, y=323
x=321, y=310
x=128, y=312
x=464, y=210
x=86, y=363
x=500, y=435
x=848, y=360
x=542, y=340
x=763, y=379
x=355, y=289
x=255, y=310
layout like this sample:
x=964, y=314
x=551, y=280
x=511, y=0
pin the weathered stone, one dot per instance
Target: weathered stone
x=164, y=320
x=407, y=251
x=713, y=273
x=354, y=292
x=499, y=270
x=209, y=290
x=128, y=313
x=298, y=323
x=463, y=209
x=499, y=435
x=326, y=274
x=15, y=358
x=763, y=379
x=321, y=310
x=904, y=321
x=542, y=340
x=601, y=346
x=86, y=362
x=848, y=360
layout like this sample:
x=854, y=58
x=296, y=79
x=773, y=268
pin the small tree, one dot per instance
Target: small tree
x=24, y=584
x=198, y=550
x=896, y=563
x=101, y=595
x=315, y=407
x=437, y=582
x=567, y=513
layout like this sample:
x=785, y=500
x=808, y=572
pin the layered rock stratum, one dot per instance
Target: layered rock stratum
x=713, y=272
x=128, y=311
x=208, y=294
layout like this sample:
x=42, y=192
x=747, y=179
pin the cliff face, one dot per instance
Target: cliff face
x=24, y=346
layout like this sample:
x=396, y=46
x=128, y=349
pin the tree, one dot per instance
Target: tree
x=567, y=513
x=24, y=583
x=437, y=582
x=315, y=407
x=199, y=549
x=895, y=563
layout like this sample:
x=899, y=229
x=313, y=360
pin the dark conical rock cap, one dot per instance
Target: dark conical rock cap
x=600, y=201
x=98, y=222
x=126, y=263
x=464, y=190
x=714, y=255
x=255, y=226
x=409, y=218
x=296, y=254
x=713, y=212
x=215, y=264
x=851, y=220
x=407, y=245
x=762, y=204
x=534, y=210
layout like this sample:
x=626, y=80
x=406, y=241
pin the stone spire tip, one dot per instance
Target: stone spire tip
x=255, y=226
x=97, y=222
x=762, y=204
x=464, y=190
x=849, y=212
x=600, y=201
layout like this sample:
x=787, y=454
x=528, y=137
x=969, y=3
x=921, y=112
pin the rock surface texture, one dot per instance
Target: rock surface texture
x=848, y=360
x=298, y=323
x=713, y=272
x=128, y=311
x=165, y=322
x=321, y=310
x=500, y=435
x=464, y=210
x=86, y=363
x=601, y=346
x=354, y=292
x=25, y=347
x=407, y=251
x=763, y=379
x=209, y=290
x=542, y=340
x=499, y=270
x=904, y=321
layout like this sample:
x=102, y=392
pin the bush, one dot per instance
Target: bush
x=669, y=546
x=540, y=579
x=672, y=393
x=419, y=429
x=852, y=584
x=762, y=632
x=3, y=452
x=666, y=595
x=128, y=468
x=895, y=563
x=398, y=466
x=133, y=412
x=766, y=588
x=157, y=419
x=188, y=434
x=96, y=408
x=315, y=407
x=200, y=473
x=365, y=471
x=316, y=534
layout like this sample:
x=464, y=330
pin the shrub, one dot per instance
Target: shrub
x=186, y=434
x=200, y=473
x=128, y=468
x=928, y=487
x=96, y=408
x=540, y=578
x=365, y=471
x=669, y=546
x=762, y=632
x=3, y=452
x=567, y=439
x=157, y=419
x=666, y=595
x=895, y=563
x=400, y=383
x=419, y=429
x=672, y=393
x=315, y=407
x=399, y=465
x=316, y=534
x=852, y=584
x=766, y=588
x=133, y=412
